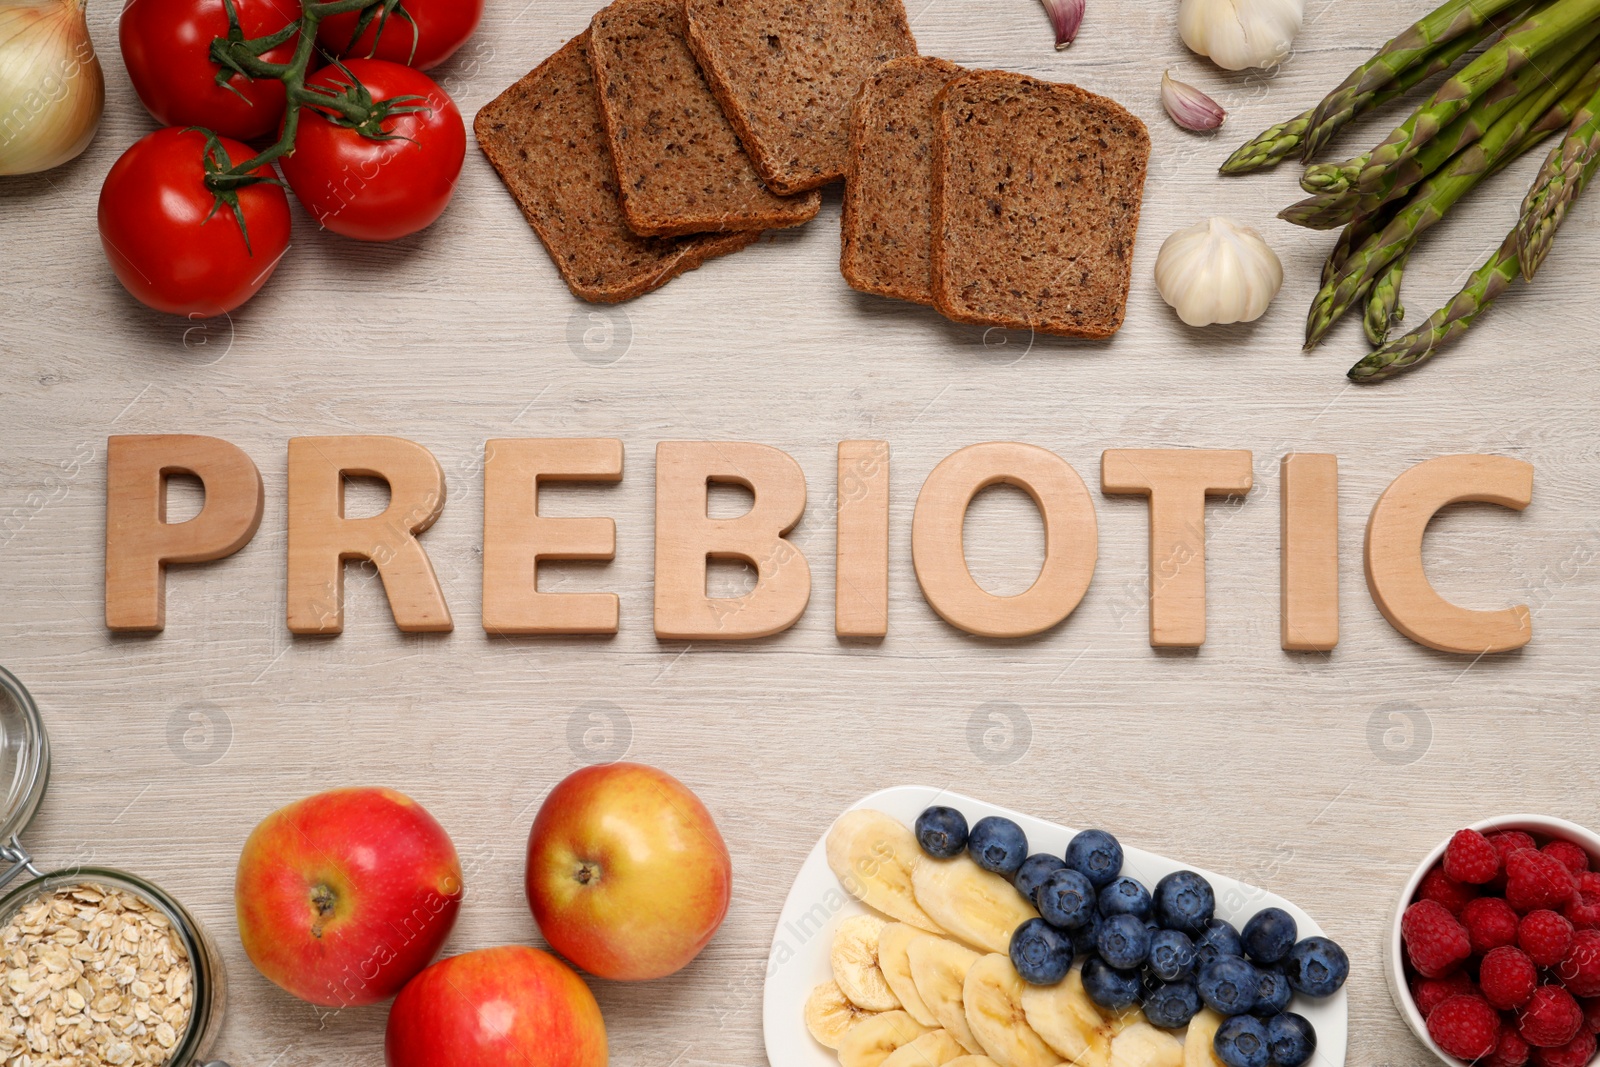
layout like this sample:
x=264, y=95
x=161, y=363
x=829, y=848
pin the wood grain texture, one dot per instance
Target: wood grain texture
x=1322, y=776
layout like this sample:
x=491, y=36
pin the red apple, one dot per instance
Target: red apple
x=512, y=1005
x=627, y=875
x=344, y=896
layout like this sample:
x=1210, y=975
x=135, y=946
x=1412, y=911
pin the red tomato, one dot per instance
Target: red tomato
x=166, y=44
x=436, y=29
x=378, y=190
x=165, y=251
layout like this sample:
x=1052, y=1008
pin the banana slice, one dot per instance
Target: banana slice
x=993, y=998
x=933, y=1049
x=1198, y=1049
x=830, y=1015
x=1142, y=1045
x=1069, y=1021
x=972, y=1061
x=980, y=908
x=873, y=856
x=895, y=963
x=939, y=969
x=1119, y=1021
x=855, y=964
x=871, y=1040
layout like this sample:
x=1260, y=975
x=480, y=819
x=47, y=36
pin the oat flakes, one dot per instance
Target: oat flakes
x=92, y=975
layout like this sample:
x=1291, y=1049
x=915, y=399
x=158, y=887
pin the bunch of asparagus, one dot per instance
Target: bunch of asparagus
x=1536, y=75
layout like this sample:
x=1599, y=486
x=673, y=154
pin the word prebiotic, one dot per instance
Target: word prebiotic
x=140, y=543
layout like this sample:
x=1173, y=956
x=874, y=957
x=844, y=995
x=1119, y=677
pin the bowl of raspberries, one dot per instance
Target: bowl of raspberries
x=1494, y=958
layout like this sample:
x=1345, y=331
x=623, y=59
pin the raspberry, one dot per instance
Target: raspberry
x=1466, y=1027
x=1506, y=842
x=1591, y=1014
x=1579, y=970
x=1454, y=895
x=1534, y=880
x=1575, y=1053
x=1512, y=1051
x=1545, y=936
x=1551, y=1019
x=1436, y=943
x=1571, y=856
x=1429, y=993
x=1508, y=978
x=1490, y=923
x=1471, y=858
x=1584, y=907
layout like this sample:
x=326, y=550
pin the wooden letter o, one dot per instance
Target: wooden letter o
x=1395, y=576
x=1071, y=539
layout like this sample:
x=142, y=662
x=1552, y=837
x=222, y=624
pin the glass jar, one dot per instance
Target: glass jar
x=24, y=774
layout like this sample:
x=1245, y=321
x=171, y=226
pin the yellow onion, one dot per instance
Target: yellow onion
x=52, y=90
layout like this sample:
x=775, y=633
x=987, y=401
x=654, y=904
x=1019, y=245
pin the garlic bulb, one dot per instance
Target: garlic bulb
x=1237, y=34
x=52, y=90
x=1218, y=271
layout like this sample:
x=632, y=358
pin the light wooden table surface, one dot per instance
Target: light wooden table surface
x=1324, y=778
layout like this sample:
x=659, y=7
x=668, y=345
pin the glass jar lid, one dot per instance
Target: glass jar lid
x=24, y=757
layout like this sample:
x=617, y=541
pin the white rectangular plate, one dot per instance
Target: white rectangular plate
x=817, y=903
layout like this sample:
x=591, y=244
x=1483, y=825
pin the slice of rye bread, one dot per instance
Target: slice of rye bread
x=680, y=167
x=545, y=137
x=785, y=72
x=886, y=232
x=1037, y=188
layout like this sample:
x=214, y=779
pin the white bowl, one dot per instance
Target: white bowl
x=817, y=904
x=1394, y=950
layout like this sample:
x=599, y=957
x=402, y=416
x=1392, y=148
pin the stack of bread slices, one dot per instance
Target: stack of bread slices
x=673, y=131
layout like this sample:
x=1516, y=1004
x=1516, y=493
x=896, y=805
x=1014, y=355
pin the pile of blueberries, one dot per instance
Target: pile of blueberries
x=1165, y=951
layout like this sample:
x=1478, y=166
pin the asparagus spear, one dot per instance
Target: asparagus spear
x=1485, y=286
x=1384, y=311
x=1451, y=30
x=1339, y=204
x=1562, y=177
x=1277, y=143
x=1530, y=42
x=1534, y=119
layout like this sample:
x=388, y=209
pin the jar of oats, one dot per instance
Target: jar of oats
x=97, y=966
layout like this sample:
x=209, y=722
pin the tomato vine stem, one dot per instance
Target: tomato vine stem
x=352, y=107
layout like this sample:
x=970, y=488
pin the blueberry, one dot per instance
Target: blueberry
x=1242, y=1042
x=1317, y=967
x=1034, y=870
x=1229, y=985
x=1123, y=942
x=997, y=844
x=1172, y=1005
x=1096, y=855
x=1125, y=896
x=1109, y=987
x=1172, y=955
x=1269, y=935
x=1218, y=939
x=1291, y=1039
x=942, y=832
x=1273, y=993
x=1066, y=899
x=1041, y=954
x=1185, y=901
x=1085, y=936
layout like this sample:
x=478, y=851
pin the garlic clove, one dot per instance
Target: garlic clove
x=1218, y=272
x=1189, y=107
x=1066, y=16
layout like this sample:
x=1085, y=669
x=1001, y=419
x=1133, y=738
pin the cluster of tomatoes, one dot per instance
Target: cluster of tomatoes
x=178, y=247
